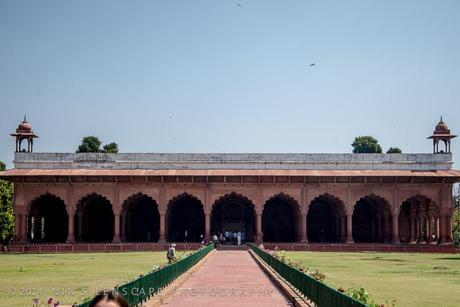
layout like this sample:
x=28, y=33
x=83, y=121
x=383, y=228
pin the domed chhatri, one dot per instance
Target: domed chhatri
x=24, y=127
x=441, y=128
x=441, y=133
x=24, y=132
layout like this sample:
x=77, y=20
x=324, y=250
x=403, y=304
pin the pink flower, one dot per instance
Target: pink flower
x=50, y=301
x=56, y=304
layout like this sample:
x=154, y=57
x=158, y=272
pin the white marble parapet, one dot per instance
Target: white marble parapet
x=259, y=161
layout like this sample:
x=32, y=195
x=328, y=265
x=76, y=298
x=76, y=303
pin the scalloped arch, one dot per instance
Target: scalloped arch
x=85, y=199
x=182, y=196
x=284, y=197
x=233, y=196
x=47, y=194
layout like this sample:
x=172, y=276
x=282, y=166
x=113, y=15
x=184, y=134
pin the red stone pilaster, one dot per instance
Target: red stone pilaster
x=349, y=228
x=395, y=227
x=70, y=232
x=260, y=234
x=303, y=217
x=116, y=232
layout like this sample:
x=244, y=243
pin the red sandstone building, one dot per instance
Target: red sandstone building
x=157, y=197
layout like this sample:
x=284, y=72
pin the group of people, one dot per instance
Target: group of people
x=229, y=237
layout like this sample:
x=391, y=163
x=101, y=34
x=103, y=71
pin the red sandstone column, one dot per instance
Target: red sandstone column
x=395, y=227
x=162, y=238
x=122, y=228
x=260, y=235
x=412, y=230
x=442, y=229
x=70, y=232
x=303, y=237
x=116, y=237
x=417, y=229
x=448, y=228
x=17, y=227
x=207, y=226
x=430, y=229
x=24, y=236
x=436, y=227
x=350, y=228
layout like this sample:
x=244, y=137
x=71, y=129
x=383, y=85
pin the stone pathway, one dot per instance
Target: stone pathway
x=228, y=278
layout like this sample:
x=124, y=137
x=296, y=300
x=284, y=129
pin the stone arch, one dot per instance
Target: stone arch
x=94, y=219
x=326, y=219
x=140, y=219
x=372, y=220
x=233, y=212
x=48, y=219
x=419, y=220
x=185, y=219
x=280, y=219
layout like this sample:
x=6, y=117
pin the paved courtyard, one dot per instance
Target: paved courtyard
x=228, y=278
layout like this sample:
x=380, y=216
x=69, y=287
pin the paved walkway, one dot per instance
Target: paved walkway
x=228, y=278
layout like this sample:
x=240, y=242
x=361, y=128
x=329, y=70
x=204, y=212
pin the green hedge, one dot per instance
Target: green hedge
x=142, y=288
x=318, y=292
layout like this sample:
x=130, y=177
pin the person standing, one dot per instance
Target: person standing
x=171, y=254
x=238, y=237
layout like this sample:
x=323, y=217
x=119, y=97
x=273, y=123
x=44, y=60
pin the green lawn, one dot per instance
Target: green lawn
x=74, y=276
x=411, y=279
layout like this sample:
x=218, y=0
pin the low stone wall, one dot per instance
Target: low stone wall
x=95, y=247
x=152, y=247
x=384, y=248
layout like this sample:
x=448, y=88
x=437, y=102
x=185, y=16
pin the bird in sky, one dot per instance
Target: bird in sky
x=239, y=4
x=312, y=64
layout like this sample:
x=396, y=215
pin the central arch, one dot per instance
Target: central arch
x=94, y=219
x=140, y=219
x=326, y=219
x=185, y=219
x=372, y=220
x=48, y=220
x=280, y=218
x=234, y=212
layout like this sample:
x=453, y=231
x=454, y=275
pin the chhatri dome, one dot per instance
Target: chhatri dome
x=441, y=133
x=24, y=132
x=441, y=128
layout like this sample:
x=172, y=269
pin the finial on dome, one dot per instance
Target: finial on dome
x=25, y=118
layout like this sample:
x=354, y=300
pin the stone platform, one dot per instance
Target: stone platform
x=228, y=278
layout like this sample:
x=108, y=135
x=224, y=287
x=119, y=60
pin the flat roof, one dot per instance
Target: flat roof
x=228, y=172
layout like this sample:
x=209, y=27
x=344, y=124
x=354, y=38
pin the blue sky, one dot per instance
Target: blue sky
x=211, y=76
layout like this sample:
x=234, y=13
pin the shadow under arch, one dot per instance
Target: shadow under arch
x=326, y=220
x=48, y=220
x=140, y=219
x=372, y=220
x=185, y=219
x=418, y=220
x=94, y=221
x=234, y=212
x=280, y=219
